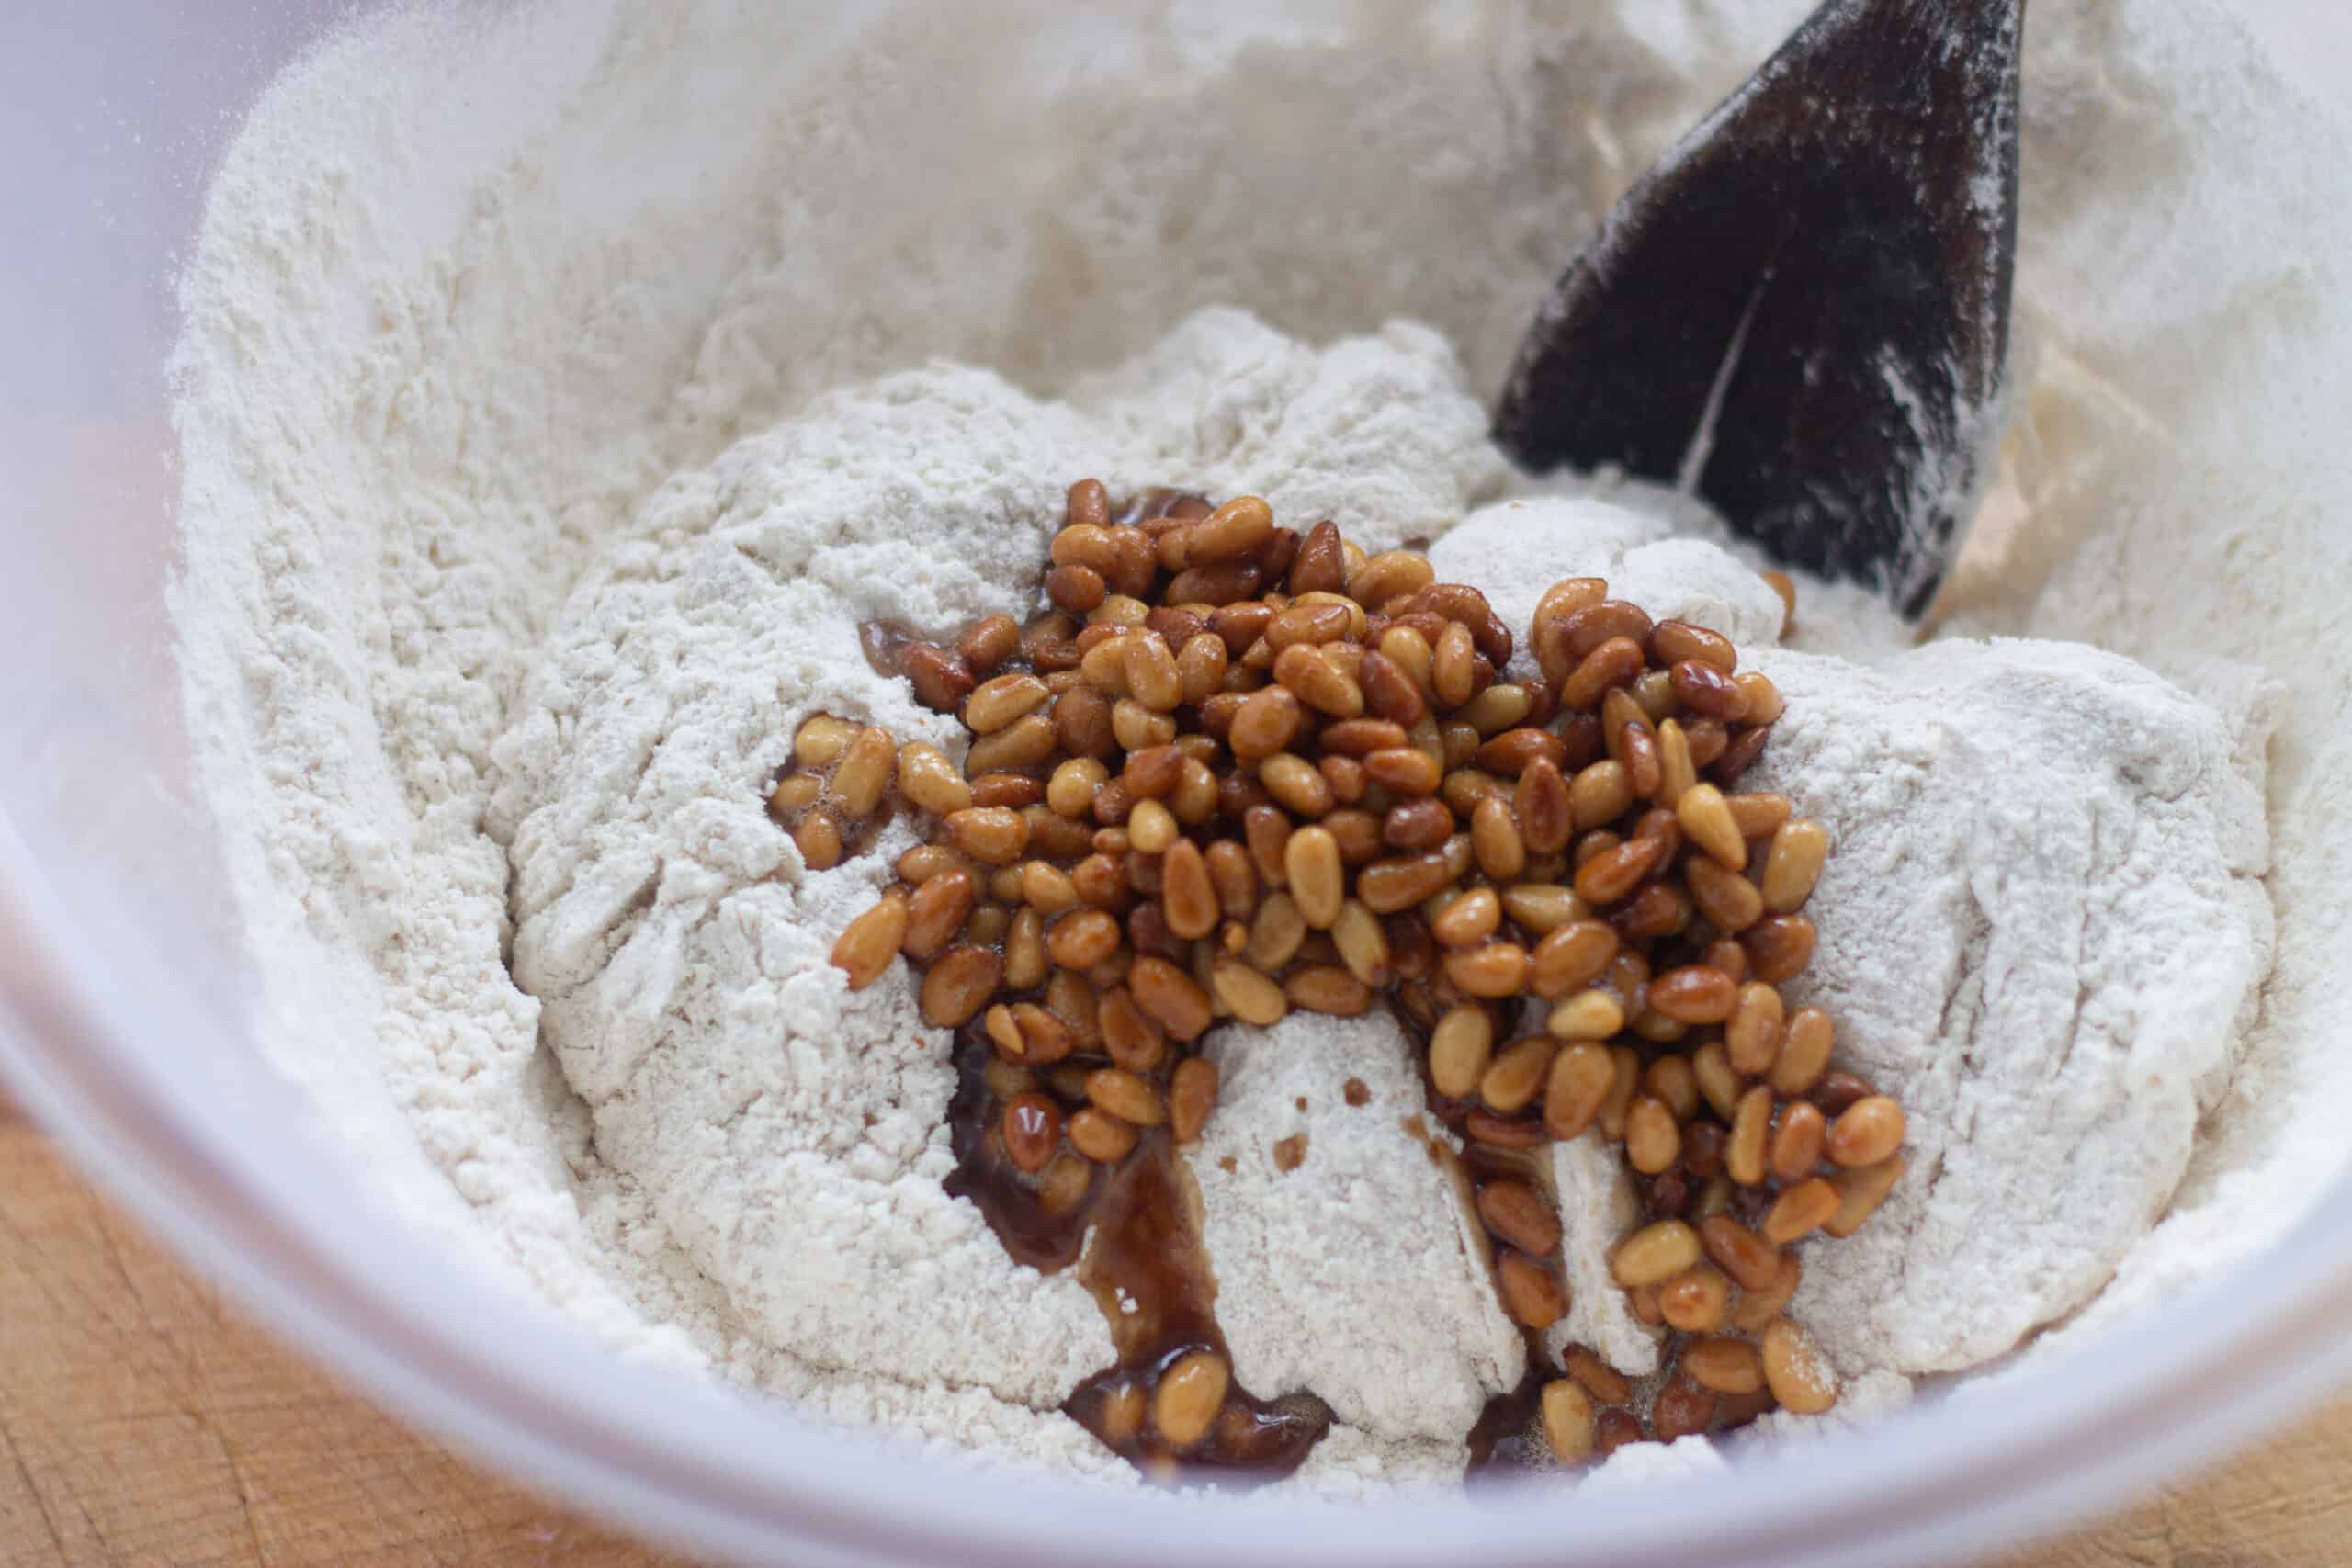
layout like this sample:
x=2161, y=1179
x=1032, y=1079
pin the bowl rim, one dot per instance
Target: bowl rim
x=271, y=1220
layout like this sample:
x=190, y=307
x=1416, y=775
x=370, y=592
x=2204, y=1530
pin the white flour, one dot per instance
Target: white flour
x=456, y=319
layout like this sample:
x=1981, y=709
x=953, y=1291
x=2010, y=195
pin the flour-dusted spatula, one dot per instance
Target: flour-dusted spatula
x=1801, y=314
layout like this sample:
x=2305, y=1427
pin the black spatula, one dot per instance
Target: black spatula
x=1802, y=311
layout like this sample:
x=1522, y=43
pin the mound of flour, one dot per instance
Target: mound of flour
x=470, y=295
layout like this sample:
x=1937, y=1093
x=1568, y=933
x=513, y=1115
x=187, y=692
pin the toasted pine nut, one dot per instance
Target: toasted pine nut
x=819, y=840
x=1327, y=988
x=1800, y=1210
x=1753, y=1262
x=1363, y=943
x=1745, y=1154
x=1794, y=864
x=1724, y=1364
x=1797, y=1141
x=1652, y=1138
x=1805, y=1044
x=1189, y=1396
x=1514, y=1077
x=1117, y=1092
x=1192, y=1093
x=1654, y=1254
x=958, y=985
x=1861, y=1189
x=1101, y=1136
x=1696, y=1301
x=1247, y=993
x=1867, y=1133
x=868, y=943
x=1460, y=1047
x=820, y=741
x=1799, y=1376
x=1513, y=1210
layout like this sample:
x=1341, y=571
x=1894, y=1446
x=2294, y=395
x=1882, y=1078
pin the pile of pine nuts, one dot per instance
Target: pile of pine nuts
x=1230, y=771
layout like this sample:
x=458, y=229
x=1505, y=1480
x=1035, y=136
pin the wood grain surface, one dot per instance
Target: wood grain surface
x=142, y=1423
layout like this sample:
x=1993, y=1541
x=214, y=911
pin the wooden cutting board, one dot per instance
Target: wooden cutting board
x=142, y=1423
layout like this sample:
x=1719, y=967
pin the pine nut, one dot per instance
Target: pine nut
x=958, y=985
x=1654, y=1254
x=1653, y=1140
x=1866, y=1132
x=1696, y=1301
x=1187, y=897
x=1693, y=994
x=992, y=835
x=1764, y=700
x=1759, y=815
x=1568, y=1421
x=1189, y=1396
x=868, y=943
x=819, y=840
x=1494, y=835
x=1615, y=872
x=1718, y=1085
x=1514, y=1077
x=1861, y=1189
x=1191, y=1094
x=1101, y=1136
x=1627, y=1068
x=1723, y=1365
x=1024, y=743
x=1264, y=724
x=1757, y=1307
x=1493, y=969
x=1135, y=725
x=936, y=911
x=1248, y=995
x=1572, y=956
x=1797, y=1373
x=1805, y=1045
x=821, y=739
x=795, y=792
x=1114, y=1091
x=1032, y=1128
x=1460, y=1047
x=1453, y=666
x=1729, y=900
x=1513, y=1210
x=1317, y=876
x=1746, y=1154
x=1800, y=1210
x=1024, y=950
x=1239, y=527
x=1797, y=1141
x=1600, y=795
x=988, y=642
x=1082, y=938
x=1170, y=997
x=1327, y=988
x=1363, y=943
x=1276, y=933
x=998, y=701
x=1611, y=664
x=1532, y=1298
x=1793, y=865
x=1751, y=1261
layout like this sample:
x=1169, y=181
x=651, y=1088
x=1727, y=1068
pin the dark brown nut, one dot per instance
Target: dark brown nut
x=1657, y=911
x=1588, y=628
x=1032, y=1130
x=1682, y=1408
x=1151, y=774
x=958, y=985
x=1360, y=738
x=1541, y=808
x=988, y=642
x=1532, y=1296
x=1709, y=692
x=1132, y=1038
x=1615, y=873
x=1009, y=792
x=1513, y=1210
x=939, y=678
x=1081, y=718
x=1744, y=749
x=1778, y=948
x=1267, y=830
x=1320, y=565
x=1417, y=825
x=1239, y=626
x=1170, y=997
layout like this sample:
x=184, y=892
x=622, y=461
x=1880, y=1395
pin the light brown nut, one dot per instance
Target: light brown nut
x=1114, y=1091
x=1805, y=1045
x=1187, y=897
x=1189, y=1394
x=1233, y=876
x=1150, y=670
x=958, y=985
x=1800, y=1210
x=1082, y=938
x=1582, y=1077
x=1363, y=943
x=1495, y=837
x=1793, y=865
x=1017, y=791
x=1600, y=1380
x=1297, y=784
x=1866, y=1132
x=1757, y=1308
x=1316, y=874
x=1492, y=969
x=1081, y=720
x=1515, y=1211
x=998, y=701
x=1653, y=1139
x=868, y=943
x=1751, y=1261
x=1571, y=957
x=1861, y=1189
x=1498, y=708
x=988, y=642
x=1264, y=724
x=1240, y=527
x=1697, y=1300
x=936, y=911
x=1797, y=1140
x=992, y=835
x=1276, y=932
x=1404, y=768
x=1746, y=1153
x=1764, y=702
x=1693, y=993
x=864, y=772
x=1517, y=1075
x=1778, y=947
x=1071, y=792
x=1760, y=815
x=1587, y=1015
x=1570, y=1426
x=820, y=741
x=1454, y=666
x=1598, y=795
x=792, y=793
x=1509, y=754
x=1541, y=906
x=1101, y=1136
x=1671, y=642
x=1032, y=1130
x=1132, y=1039
x=1402, y=881
x=1460, y=1047
x=1309, y=622
x=1752, y=1038
x=1170, y=997
x=1531, y=1295
x=1135, y=725
x=1266, y=828
x=1654, y=1254
x=1390, y=575
x=1247, y=993
x=1191, y=1094
x=1724, y=1364
x=1327, y=988
x=1024, y=950
x=1071, y=998
x=1718, y=1085
x=1703, y=814
x=1798, y=1374
x=1024, y=743
x=1729, y=900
